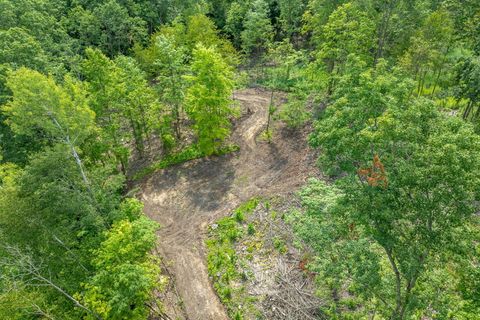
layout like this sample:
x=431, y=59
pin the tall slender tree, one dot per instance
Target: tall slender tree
x=208, y=100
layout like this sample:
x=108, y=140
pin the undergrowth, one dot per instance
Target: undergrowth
x=224, y=266
x=187, y=154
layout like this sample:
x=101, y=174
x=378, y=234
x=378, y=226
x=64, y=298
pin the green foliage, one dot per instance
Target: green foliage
x=208, y=100
x=125, y=271
x=294, y=113
x=222, y=260
x=166, y=64
x=429, y=51
x=468, y=76
x=409, y=180
x=197, y=29
x=116, y=29
x=201, y=30
x=291, y=13
x=122, y=98
x=244, y=209
x=251, y=229
x=359, y=99
x=49, y=213
x=348, y=31
x=285, y=59
x=18, y=48
x=189, y=153
x=394, y=237
x=40, y=105
x=258, y=30
x=38, y=24
x=234, y=21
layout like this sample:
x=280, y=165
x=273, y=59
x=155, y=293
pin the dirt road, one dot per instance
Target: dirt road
x=185, y=199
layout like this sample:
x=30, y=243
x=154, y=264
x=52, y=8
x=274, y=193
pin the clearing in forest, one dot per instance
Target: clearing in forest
x=186, y=198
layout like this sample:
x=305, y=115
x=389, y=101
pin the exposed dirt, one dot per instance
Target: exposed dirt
x=185, y=199
x=277, y=279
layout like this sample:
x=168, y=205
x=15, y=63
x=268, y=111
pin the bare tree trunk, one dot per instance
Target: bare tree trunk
x=25, y=263
x=73, y=150
x=68, y=296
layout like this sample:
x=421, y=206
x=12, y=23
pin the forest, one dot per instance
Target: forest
x=240, y=159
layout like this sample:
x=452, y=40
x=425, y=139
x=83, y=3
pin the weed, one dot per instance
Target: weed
x=280, y=245
x=189, y=153
x=251, y=229
x=224, y=266
x=273, y=214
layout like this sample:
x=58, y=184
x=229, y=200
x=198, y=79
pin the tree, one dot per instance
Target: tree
x=347, y=265
x=107, y=97
x=201, y=30
x=170, y=65
x=40, y=20
x=118, y=30
x=428, y=191
x=125, y=270
x=258, y=30
x=218, y=11
x=52, y=223
x=84, y=26
x=234, y=21
x=291, y=13
x=285, y=57
x=208, y=99
x=18, y=48
x=360, y=97
x=317, y=14
x=468, y=77
x=122, y=100
x=139, y=99
x=348, y=31
x=40, y=105
x=185, y=36
x=429, y=50
x=409, y=178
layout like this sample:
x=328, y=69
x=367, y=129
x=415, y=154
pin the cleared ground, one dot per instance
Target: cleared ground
x=185, y=199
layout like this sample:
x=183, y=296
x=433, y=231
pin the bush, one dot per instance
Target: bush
x=294, y=113
x=222, y=260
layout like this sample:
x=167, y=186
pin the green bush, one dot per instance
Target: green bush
x=189, y=153
x=294, y=113
x=222, y=261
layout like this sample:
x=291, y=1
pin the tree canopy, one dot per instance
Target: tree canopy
x=96, y=95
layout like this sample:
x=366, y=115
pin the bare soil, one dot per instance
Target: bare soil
x=186, y=198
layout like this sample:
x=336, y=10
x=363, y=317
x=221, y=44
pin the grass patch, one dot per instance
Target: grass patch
x=189, y=153
x=224, y=265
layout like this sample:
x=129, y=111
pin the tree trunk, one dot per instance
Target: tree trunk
x=398, y=286
x=466, y=113
x=383, y=30
x=75, y=155
x=269, y=116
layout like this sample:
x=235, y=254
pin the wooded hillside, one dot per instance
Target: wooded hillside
x=157, y=156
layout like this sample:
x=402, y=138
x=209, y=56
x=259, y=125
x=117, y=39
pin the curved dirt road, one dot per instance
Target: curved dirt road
x=185, y=199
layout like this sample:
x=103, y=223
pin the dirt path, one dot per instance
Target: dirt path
x=185, y=199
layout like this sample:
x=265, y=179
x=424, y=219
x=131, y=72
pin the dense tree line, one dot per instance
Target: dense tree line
x=392, y=88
